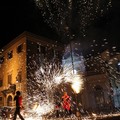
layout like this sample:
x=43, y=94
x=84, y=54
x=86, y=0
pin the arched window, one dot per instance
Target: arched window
x=9, y=100
x=99, y=96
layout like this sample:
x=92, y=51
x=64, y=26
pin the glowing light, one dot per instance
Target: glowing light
x=77, y=83
x=119, y=63
x=94, y=115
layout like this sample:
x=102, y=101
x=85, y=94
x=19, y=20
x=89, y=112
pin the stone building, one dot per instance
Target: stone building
x=114, y=73
x=14, y=60
x=97, y=95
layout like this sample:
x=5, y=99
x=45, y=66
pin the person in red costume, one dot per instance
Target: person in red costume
x=66, y=103
x=18, y=100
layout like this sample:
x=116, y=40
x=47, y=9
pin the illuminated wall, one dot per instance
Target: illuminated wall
x=73, y=59
x=14, y=62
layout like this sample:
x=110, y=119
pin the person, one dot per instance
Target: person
x=66, y=103
x=57, y=108
x=18, y=99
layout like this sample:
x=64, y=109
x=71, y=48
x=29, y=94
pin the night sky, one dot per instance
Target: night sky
x=18, y=16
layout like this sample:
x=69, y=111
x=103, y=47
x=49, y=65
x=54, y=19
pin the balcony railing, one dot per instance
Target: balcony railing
x=10, y=89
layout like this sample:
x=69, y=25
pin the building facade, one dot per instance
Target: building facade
x=15, y=58
x=96, y=95
x=114, y=73
x=15, y=69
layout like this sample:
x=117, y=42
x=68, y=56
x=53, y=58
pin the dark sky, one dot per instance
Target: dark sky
x=17, y=16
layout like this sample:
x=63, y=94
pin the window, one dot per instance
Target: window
x=59, y=55
x=43, y=49
x=10, y=54
x=52, y=52
x=9, y=100
x=20, y=48
x=10, y=79
x=38, y=48
x=1, y=82
x=99, y=96
x=1, y=59
x=0, y=99
x=19, y=77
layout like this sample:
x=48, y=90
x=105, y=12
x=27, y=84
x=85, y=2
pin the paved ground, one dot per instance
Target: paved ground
x=115, y=117
x=110, y=118
x=106, y=118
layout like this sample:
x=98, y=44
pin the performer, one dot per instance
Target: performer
x=18, y=100
x=66, y=103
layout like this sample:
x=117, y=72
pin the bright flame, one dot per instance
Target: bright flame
x=77, y=83
x=93, y=114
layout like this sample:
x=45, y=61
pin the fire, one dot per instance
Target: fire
x=77, y=83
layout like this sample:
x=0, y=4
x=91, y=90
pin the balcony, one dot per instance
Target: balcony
x=10, y=89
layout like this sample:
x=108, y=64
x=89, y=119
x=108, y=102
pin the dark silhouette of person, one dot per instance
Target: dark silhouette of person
x=18, y=100
x=57, y=107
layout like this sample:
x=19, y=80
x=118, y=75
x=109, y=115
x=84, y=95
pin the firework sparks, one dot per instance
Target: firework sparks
x=71, y=17
x=47, y=77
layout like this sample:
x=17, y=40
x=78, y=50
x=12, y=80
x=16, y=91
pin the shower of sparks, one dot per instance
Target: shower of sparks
x=44, y=78
x=71, y=17
x=48, y=75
